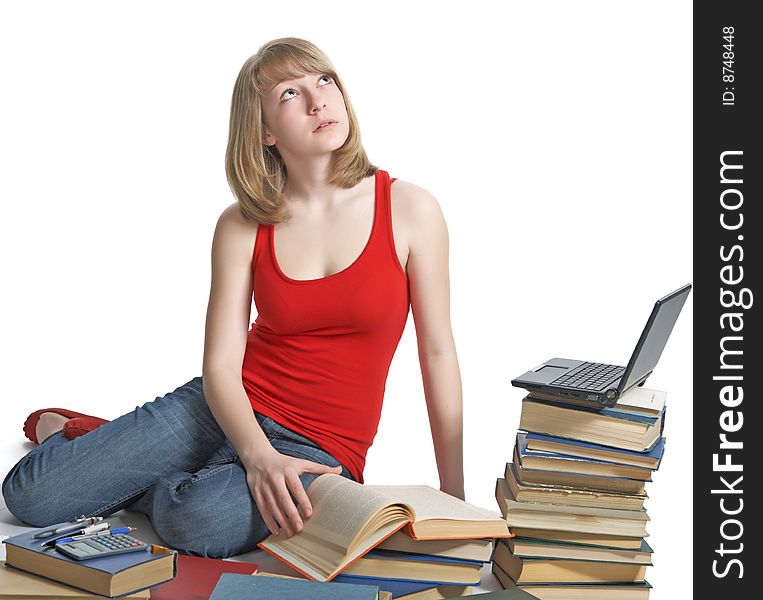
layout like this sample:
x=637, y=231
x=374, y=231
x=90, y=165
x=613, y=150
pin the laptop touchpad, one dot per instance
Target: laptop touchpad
x=552, y=370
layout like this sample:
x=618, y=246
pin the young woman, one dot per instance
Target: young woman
x=334, y=255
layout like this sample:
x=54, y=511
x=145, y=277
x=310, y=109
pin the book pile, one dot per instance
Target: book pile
x=412, y=541
x=574, y=497
x=131, y=574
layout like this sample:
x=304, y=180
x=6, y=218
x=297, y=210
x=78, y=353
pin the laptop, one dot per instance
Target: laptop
x=600, y=383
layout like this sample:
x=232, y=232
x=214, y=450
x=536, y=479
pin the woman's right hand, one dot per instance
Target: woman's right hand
x=270, y=478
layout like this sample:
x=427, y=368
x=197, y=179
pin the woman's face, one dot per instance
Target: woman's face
x=293, y=109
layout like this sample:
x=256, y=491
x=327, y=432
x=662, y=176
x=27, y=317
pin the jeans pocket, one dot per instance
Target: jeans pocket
x=273, y=430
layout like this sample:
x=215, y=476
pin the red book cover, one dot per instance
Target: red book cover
x=197, y=577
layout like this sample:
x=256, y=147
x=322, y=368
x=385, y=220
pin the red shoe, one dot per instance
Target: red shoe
x=30, y=425
x=81, y=425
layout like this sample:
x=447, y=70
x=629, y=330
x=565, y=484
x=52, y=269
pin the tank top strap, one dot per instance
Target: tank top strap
x=384, y=215
x=261, y=244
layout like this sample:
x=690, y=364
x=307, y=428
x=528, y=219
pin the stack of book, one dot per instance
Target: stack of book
x=419, y=569
x=129, y=574
x=574, y=497
x=412, y=541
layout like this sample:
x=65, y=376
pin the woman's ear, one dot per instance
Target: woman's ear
x=267, y=138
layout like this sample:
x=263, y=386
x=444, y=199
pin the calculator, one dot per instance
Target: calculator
x=102, y=545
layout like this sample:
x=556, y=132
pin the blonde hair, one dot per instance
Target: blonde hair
x=256, y=173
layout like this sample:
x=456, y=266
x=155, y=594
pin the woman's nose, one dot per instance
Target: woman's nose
x=317, y=104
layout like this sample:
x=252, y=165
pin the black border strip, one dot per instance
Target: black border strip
x=727, y=232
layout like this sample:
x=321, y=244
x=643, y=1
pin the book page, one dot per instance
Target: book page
x=642, y=398
x=429, y=503
x=342, y=508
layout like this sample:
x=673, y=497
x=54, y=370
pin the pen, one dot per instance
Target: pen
x=84, y=531
x=68, y=528
x=95, y=535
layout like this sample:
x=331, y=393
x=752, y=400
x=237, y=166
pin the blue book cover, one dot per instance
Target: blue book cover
x=396, y=587
x=656, y=452
x=235, y=586
x=382, y=555
x=523, y=452
x=56, y=566
x=399, y=555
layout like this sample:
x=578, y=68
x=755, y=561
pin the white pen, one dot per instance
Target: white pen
x=68, y=528
x=84, y=531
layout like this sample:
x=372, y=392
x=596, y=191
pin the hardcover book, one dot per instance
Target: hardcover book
x=589, y=425
x=555, y=493
x=113, y=576
x=349, y=519
x=234, y=586
x=562, y=570
x=547, y=443
x=607, y=521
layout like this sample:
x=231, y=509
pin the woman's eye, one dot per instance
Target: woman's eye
x=293, y=91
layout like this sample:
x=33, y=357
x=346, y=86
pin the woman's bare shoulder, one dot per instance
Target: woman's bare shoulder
x=413, y=204
x=234, y=234
x=232, y=216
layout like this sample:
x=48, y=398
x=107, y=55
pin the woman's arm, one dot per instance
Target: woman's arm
x=429, y=282
x=270, y=475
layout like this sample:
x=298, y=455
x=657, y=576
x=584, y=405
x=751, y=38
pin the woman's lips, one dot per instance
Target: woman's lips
x=327, y=126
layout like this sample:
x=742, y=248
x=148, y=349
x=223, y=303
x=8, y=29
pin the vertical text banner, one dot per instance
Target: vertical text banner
x=727, y=232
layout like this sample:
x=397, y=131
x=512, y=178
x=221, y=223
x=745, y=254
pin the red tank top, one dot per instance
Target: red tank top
x=318, y=354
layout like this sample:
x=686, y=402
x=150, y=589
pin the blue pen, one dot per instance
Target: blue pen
x=94, y=535
x=84, y=531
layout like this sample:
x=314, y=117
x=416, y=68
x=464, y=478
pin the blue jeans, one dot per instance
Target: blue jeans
x=168, y=459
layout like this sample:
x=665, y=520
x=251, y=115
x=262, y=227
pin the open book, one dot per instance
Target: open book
x=349, y=519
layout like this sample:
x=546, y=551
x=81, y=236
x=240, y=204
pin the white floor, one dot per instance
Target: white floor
x=13, y=450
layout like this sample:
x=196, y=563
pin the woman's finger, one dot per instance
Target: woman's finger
x=287, y=507
x=262, y=506
x=308, y=466
x=298, y=491
x=275, y=511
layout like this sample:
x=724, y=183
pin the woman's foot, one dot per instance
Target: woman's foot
x=49, y=424
x=43, y=423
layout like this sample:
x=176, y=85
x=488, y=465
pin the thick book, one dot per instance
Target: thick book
x=559, y=494
x=441, y=592
x=113, y=576
x=577, y=591
x=396, y=587
x=532, y=548
x=589, y=425
x=603, y=483
x=383, y=594
x=638, y=401
x=512, y=594
x=576, y=537
x=416, y=567
x=349, y=519
x=584, y=519
x=562, y=570
x=474, y=549
x=234, y=586
x=572, y=465
x=19, y=585
x=547, y=443
x=197, y=577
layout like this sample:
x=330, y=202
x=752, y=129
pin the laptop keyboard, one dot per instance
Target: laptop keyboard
x=590, y=376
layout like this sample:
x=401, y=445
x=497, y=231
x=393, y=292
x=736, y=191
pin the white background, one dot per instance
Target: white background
x=557, y=138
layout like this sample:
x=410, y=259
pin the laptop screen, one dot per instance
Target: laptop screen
x=654, y=337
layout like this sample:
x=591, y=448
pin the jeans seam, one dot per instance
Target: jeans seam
x=117, y=502
x=175, y=489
